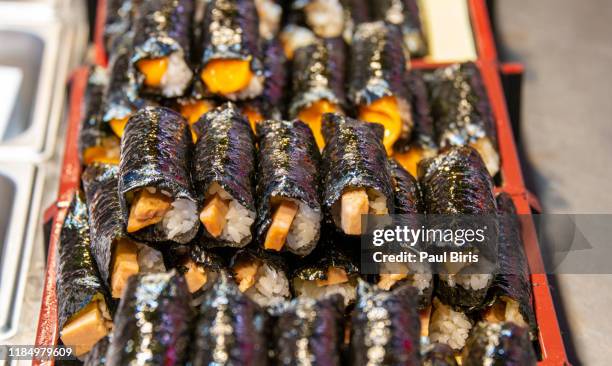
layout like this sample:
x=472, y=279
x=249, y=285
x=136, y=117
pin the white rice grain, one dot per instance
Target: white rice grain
x=378, y=203
x=304, y=228
x=180, y=219
x=269, y=17
x=149, y=260
x=310, y=289
x=325, y=17
x=294, y=37
x=177, y=77
x=238, y=219
x=254, y=89
x=271, y=287
x=448, y=326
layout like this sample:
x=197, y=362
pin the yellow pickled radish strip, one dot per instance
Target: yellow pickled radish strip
x=353, y=204
x=425, y=316
x=312, y=116
x=147, y=209
x=335, y=275
x=195, y=277
x=153, y=70
x=99, y=154
x=410, y=159
x=253, y=115
x=387, y=280
x=192, y=111
x=226, y=76
x=118, y=125
x=85, y=329
x=245, y=273
x=281, y=223
x=213, y=214
x=125, y=264
x=386, y=112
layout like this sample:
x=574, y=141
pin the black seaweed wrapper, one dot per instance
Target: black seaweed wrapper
x=288, y=167
x=162, y=27
x=498, y=344
x=152, y=324
x=271, y=103
x=410, y=22
x=93, y=132
x=250, y=254
x=78, y=281
x=457, y=182
x=318, y=74
x=317, y=324
x=513, y=280
x=118, y=21
x=460, y=106
x=122, y=99
x=100, y=184
x=225, y=154
x=377, y=64
x=97, y=355
x=439, y=354
x=155, y=152
x=353, y=157
x=231, y=31
x=315, y=266
x=392, y=313
x=230, y=329
x=423, y=134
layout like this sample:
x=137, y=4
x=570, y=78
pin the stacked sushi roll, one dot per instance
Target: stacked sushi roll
x=234, y=153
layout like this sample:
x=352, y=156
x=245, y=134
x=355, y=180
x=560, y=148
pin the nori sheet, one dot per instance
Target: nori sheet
x=318, y=72
x=288, y=162
x=93, y=131
x=153, y=322
x=354, y=156
x=78, y=280
x=513, y=280
x=156, y=152
x=97, y=355
x=460, y=106
x=162, y=27
x=310, y=332
x=118, y=21
x=230, y=329
x=405, y=14
x=439, y=354
x=498, y=344
x=225, y=154
x=385, y=327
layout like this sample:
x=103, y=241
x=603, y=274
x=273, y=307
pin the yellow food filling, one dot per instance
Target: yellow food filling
x=312, y=116
x=227, y=76
x=386, y=112
x=153, y=70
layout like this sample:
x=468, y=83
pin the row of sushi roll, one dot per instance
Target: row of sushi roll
x=211, y=232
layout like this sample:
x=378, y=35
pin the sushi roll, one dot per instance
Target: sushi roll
x=328, y=18
x=406, y=15
x=310, y=332
x=155, y=192
x=231, y=64
x=385, y=327
x=421, y=145
x=462, y=113
x=511, y=295
x=97, y=355
x=262, y=276
x=230, y=329
x=223, y=174
x=498, y=344
x=162, y=31
x=117, y=255
x=356, y=178
x=318, y=83
x=83, y=311
x=289, y=210
x=270, y=13
x=376, y=87
x=408, y=204
x=448, y=325
x=326, y=272
x=122, y=99
x=456, y=182
x=438, y=354
x=97, y=143
x=118, y=21
x=270, y=104
x=200, y=268
x=153, y=322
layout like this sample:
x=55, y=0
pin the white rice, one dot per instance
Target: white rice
x=417, y=275
x=448, y=326
x=238, y=219
x=310, y=289
x=476, y=281
x=304, y=228
x=488, y=154
x=271, y=286
x=177, y=77
x=181, y=218
x=294, y=37
x=254, y=89
x=325, y=17
x=149, y=260
x=269, y=17
x=395, y=13
x=378, y=203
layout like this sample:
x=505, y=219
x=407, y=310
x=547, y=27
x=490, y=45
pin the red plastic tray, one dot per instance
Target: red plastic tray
x=551, y=342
